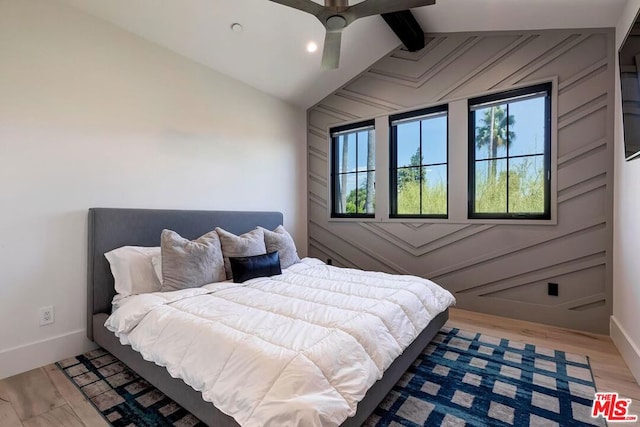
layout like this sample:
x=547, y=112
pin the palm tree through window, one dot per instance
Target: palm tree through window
x=509, y=154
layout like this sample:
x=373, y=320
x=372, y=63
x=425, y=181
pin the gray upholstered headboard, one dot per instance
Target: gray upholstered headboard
x=112, y=228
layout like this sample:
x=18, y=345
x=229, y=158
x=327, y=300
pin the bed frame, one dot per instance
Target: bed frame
x=112, y=228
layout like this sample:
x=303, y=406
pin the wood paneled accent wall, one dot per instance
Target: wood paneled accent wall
x=500, y=269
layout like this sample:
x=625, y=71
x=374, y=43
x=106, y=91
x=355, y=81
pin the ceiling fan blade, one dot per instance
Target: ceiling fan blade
x=378, y=7
x=308, y=6
x=331, y=52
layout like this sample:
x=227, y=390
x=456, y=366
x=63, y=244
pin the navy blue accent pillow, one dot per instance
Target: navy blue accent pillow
x=249, y=267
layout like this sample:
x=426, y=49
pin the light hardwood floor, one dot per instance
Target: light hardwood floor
x=609, y=369
x=44, y=397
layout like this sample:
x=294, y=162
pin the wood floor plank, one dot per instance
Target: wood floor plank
x=4, y=396
x=8, y=416
x=62, y=416
x=83, y=409
x=609, y=369
x=32, y=393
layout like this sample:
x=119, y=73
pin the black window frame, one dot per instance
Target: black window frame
x=334, y=166
x=393, y=161
x=495, y=98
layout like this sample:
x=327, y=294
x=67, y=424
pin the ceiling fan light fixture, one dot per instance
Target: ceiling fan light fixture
x=312, y=47
x=336, y=22
x=336, y=15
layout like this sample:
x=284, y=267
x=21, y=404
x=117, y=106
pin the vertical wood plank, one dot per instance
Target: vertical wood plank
x=31, y=394
x=81, y=406
x=62, y=416
x=8, y=416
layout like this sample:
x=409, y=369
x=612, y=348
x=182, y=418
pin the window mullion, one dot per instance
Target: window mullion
x=507, y=207
x=507, y=141
x=357, y=144
x=420, y=163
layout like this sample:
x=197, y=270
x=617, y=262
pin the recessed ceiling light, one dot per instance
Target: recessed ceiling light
x=236, y=27
x=312, y=47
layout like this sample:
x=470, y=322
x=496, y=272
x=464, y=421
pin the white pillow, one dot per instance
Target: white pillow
x=133, y=271
x=156, y=261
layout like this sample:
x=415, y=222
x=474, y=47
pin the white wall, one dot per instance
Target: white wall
x=625, y=322
x=93, y=116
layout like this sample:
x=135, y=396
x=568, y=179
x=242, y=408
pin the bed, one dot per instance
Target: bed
x=113, y=228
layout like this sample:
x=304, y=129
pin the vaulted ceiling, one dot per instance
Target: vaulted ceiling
x=270, y=55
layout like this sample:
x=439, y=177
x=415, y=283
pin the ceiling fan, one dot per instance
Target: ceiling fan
x=336, y=15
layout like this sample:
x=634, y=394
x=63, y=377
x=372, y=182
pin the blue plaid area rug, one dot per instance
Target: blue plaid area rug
x=470, y=379
x=461, y=379
x=121, y=396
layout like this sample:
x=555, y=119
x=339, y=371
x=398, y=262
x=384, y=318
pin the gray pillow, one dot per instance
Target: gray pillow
x=280, y=240
x=190, y=264
x=247, y=244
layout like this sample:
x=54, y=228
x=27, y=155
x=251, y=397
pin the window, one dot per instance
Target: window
x=509, y=154
x=353, y=170
x=418, y=158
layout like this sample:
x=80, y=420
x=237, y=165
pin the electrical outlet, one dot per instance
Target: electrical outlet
x=47, y=315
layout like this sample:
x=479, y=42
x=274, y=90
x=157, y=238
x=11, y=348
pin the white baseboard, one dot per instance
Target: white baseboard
x=29, y=356
x=629, y=350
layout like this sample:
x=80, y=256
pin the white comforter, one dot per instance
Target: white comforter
x=301, y=348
